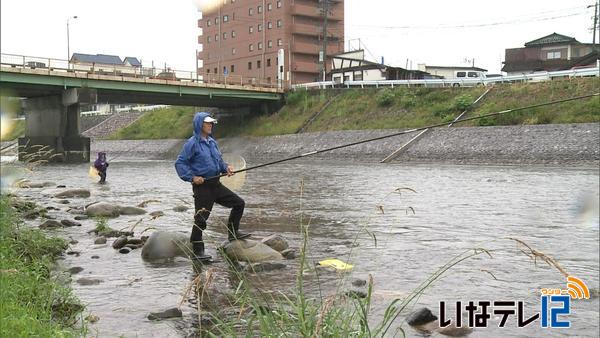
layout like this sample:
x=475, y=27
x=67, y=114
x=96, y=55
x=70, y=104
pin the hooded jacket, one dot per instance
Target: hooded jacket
x=100, y=164
x=199, y=157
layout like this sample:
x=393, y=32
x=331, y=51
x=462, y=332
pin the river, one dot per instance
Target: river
x=456, y=208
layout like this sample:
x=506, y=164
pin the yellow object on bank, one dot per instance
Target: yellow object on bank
x=336, y=264
x=93, y=172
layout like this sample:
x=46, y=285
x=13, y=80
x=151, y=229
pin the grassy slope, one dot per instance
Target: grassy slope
x=31, y=304
x=385, y=108
x=173, y=122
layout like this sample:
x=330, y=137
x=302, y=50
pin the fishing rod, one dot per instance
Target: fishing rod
x=407, y=132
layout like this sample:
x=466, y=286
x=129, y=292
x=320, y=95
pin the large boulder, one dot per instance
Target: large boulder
x=131, y=211
x=161, y=245
x=251, y=251
x=103, y=209
x=73, y=193
x=276, y=242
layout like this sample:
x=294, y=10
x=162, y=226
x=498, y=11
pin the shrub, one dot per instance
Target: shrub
x=297, y=96
x=463, y=102
x=385, y=98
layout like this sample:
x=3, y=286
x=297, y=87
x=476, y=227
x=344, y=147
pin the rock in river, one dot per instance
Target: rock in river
x=251, y=251
x=162, y=245
x=73, y=193
x=166, y=314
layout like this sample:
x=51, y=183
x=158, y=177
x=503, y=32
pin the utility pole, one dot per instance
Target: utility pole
x=595, y=26
x=325, y=15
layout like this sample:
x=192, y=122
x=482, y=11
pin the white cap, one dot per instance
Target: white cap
x=209, y=119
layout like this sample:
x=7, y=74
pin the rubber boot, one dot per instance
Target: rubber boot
x=199, y=253
x=234, y=233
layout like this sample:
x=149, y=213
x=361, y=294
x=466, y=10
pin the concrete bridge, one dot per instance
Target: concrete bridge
x=53, y=97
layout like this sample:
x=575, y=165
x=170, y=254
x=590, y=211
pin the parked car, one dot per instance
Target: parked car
x=468, y=75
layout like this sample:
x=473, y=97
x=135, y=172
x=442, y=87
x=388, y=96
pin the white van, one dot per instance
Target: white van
x=468, y=75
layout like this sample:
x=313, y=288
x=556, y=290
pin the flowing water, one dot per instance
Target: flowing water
x=456, y=208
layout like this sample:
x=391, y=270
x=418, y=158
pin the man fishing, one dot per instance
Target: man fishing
x=199, y=160
x=101, y=165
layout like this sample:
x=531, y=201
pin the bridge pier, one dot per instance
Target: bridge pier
x=52, y=128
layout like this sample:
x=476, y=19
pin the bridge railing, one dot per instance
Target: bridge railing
x=467, y=82
x=61, y=65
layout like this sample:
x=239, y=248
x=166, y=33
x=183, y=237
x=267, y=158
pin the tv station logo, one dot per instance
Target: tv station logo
x=555, y=306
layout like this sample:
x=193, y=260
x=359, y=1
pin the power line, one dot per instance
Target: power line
x=474, y=25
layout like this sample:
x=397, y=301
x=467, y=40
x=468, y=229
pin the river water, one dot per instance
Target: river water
x=456, y=208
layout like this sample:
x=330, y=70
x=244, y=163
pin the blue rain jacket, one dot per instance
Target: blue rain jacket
x=199, y=157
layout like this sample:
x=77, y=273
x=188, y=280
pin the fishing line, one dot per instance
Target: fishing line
x=443, y=124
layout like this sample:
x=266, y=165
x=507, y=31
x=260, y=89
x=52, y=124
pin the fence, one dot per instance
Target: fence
x=61, y=65
x=467, y=82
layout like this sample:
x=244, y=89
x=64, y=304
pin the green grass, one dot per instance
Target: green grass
x=172, y=122
x=389, y=108
x=31, y=303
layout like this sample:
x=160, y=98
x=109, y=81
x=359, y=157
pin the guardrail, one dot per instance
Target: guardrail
x=468, y=82
x=50, y=64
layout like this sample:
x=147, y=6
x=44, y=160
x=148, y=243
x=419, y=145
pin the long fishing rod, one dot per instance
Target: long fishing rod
x=407, y=132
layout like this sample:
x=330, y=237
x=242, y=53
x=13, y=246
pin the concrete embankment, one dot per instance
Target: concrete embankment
x=523, y=144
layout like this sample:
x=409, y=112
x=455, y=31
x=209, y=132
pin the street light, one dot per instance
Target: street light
x=68, y=46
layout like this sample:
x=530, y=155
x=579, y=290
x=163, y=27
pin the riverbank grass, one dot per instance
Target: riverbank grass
x=32, y=304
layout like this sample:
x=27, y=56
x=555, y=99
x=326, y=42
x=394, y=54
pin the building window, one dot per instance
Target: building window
x=279, y=4
x=208, y=23
x=259, y=9
x=207, y=71
x=208, y=39
x=270, y=43
x=268, y=62
x=216, y=37
x=250, y=11
x=269, y=25
x=232, y=68
x=233, y=34
x=217, y=20
x=260, y=27
x=553, y=55
x=216, y=70
x=225, y=18
x=224, y=35
x=233, y=51
x=258, y=64
x=358, y=76
x=279, y=42
x=249, y=65
x=251, y=47
x=232, y=1
x=260, y=45
x=269, y=6
x=250, y=29
x=279, y=23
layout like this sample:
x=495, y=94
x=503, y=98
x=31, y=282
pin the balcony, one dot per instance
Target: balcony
x=305, y=67
x=335, y=14
x=315, y=48
x=304, y=29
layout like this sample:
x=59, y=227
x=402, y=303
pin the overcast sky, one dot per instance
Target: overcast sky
x=424, y=31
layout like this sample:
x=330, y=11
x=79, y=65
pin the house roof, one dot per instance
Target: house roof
x=587, y=59
x=459, y=68
x=551, y=39
x=98, y=58
x=551, y=65
x=132, y=61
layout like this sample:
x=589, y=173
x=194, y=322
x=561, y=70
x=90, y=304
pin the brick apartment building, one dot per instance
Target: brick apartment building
x=265, y=41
